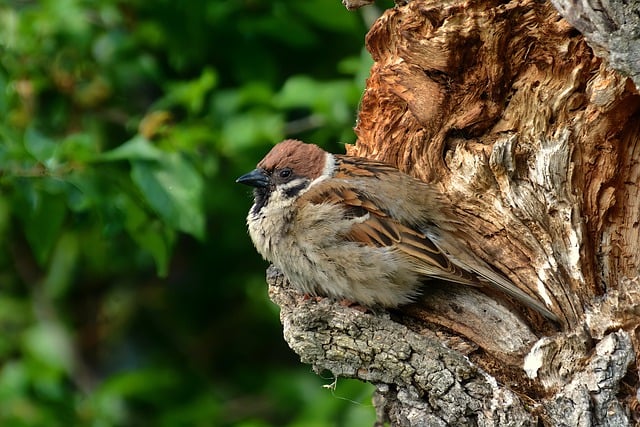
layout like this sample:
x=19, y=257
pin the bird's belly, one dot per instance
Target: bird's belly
x=311, y=252
x=369, y=276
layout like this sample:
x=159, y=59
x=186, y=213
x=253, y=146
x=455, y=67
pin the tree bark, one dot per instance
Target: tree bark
x=532, y=131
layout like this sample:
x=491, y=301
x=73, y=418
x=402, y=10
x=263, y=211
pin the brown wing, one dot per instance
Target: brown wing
x=380, y=230
x=376, y=228
x=383, y=231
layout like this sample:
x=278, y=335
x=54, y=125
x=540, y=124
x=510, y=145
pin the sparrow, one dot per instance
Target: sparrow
x=359, y=229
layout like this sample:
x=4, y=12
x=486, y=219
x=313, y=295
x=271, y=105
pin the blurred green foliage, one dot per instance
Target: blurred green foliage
x=130, y=293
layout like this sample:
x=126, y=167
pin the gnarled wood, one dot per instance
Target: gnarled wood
x=501, y=106
x=534, y=140
x=612, y=29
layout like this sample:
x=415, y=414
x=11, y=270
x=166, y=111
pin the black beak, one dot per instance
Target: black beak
x=256, y=178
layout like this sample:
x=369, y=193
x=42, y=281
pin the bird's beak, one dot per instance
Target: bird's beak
x=256, y=178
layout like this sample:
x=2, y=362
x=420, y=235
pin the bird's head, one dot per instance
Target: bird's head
x=287, y=171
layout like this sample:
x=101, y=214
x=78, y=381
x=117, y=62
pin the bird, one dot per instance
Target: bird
x=361, y=230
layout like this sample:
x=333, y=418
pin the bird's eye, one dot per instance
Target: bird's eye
x=285, y=173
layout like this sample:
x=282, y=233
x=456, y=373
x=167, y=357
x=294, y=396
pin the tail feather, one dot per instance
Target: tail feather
x=470, y=262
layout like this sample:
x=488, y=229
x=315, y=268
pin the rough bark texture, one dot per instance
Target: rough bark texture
x=534, y=139
x=612, y=29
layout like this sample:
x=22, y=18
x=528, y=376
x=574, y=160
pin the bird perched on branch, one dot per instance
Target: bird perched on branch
x=359, y=229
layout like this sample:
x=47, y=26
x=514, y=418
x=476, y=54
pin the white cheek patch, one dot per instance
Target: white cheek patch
x=293, y=184
x=327, y=170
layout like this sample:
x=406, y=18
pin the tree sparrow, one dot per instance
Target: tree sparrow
x=359, y=229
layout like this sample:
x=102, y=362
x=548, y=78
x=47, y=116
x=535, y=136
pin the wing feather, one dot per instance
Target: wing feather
x=374, y=227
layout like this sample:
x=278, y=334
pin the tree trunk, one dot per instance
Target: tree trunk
x=535, y=140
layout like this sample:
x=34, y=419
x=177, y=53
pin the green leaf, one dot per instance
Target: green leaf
x=39, y=146
x=79, y=147
x=329, y=99
x=190, y=94
x=150, y=235
x=83, y=191
x=15, y=313
x=5, y=217
x=244, y=131
x=137, y=148
x=62, y=266
x=13, y=380
x=198, y=411
x=324, y=96
x=298, y=91
x=140, y=383
x=4, y=97
x=329, y=15
x=42, y=213
x=50, y=346
x=173, y=188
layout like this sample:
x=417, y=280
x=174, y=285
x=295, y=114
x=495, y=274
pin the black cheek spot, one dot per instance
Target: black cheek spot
x=293, y=191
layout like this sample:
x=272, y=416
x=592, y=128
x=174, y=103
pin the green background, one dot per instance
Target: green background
x=130, y=293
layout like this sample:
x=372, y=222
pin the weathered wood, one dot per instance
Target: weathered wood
x=534, y=140
x=612, y=29
x=491, y=103
x=419, y=380
x=425, y=377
